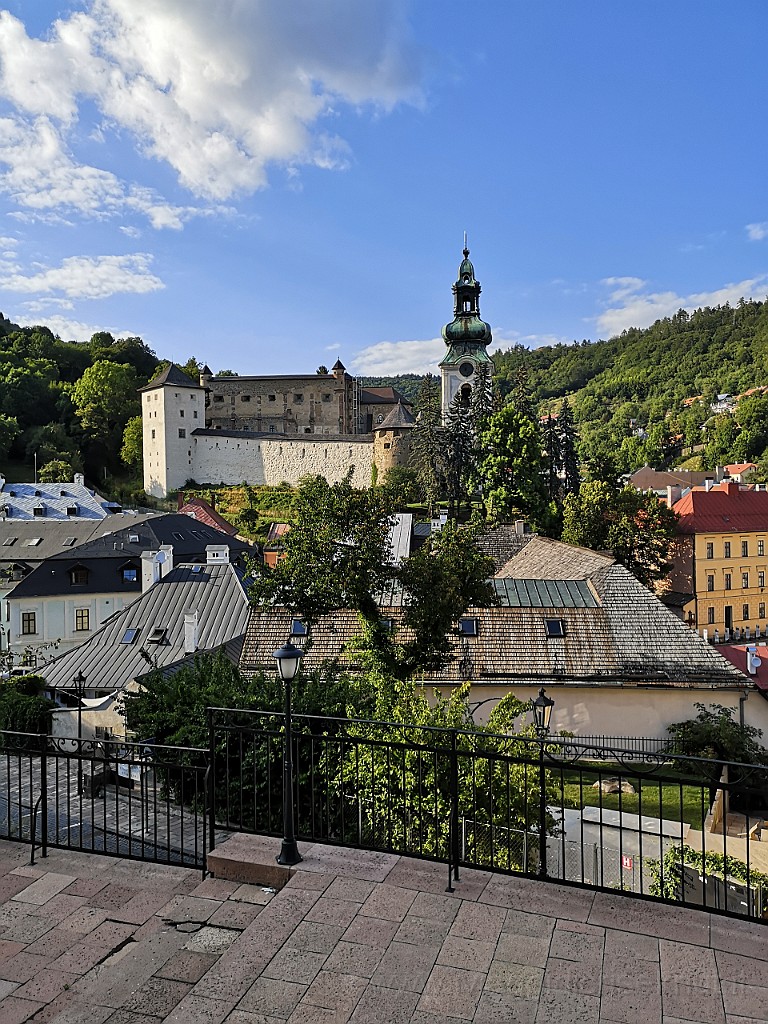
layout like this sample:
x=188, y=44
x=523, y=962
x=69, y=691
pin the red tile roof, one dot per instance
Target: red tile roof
x=199, y=509
x=737, y=655
x=727, y=508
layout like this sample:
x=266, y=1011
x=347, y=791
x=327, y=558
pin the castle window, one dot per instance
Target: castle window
x=710, y=581
x=710, y=616
x=182, y=432
x=245, y=398
x=727, y=549
x=745, y=612
x=327, y=398
x=710, y=550
x=761, y=610
x=194, y=414
x=28, y=623
x=387, y=444
x=181, y=413
x=744, y=580
x=760, y=548
x=298, y=398
x=745, y=549
x=218, y=398
x=271, y=398
x=761, y=578
x=271, y=428
x=727, y=581
x=82, y=619
x=379, y=418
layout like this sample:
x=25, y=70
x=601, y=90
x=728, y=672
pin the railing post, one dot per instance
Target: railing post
x=44, y=793
x=453, y=837
x=210, y=795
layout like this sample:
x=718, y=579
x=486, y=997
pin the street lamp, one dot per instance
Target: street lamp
x=288, y=658
x=542, y=712
x=79, y=682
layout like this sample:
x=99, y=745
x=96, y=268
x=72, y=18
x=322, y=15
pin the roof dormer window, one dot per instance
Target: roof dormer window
x=78, y=576
x=554, y=627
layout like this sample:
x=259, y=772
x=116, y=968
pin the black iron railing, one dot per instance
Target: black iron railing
x=134, y=800
x=651, y=824
x=645, y=822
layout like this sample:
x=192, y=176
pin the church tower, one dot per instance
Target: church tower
x=467, y=337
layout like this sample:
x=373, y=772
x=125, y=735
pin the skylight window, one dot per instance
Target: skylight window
x=133, y=538
x=158, y=635
x=196, y=570
x=298, y=627
x=130, y=635
x=69, y=542
x=8, y=541
x=468, y=626
x=33, y=542
x=179, y=536
x=555, y=627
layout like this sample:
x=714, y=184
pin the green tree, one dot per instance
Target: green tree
x=510, y=466
x=553, y=456
x=337, y=555
x=51, y=443
x=105, y=398
x=636, y=528
x=9, y=431
x=568, y=448
x=132, y=451
x=54, y=472
x=459, y=449
x=322, y=370
x=429, y=452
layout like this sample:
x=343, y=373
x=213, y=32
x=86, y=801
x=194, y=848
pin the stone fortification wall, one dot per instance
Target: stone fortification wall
x=218, y=458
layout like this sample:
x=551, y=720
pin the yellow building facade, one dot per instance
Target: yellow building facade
x=721, y=559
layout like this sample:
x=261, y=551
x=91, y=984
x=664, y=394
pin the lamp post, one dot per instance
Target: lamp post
x=542, y=712
x=288, y=658
x=79, y=682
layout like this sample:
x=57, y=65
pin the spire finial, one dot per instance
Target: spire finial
x=466, y=250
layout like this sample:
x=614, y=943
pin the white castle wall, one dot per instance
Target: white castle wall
x=232, y=460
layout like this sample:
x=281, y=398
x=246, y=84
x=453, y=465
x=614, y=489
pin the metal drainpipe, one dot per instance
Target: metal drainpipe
x=742, y=701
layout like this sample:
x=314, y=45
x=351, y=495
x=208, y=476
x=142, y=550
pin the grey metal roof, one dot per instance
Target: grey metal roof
x=215, y=592
x=54, y=537
x=18, y=502
x=171, y=375
x=544, y=593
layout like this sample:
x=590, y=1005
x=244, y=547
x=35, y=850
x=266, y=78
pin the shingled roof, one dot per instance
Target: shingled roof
x=614, y=631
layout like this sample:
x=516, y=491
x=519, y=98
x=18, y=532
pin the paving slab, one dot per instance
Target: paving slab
x=354, y=938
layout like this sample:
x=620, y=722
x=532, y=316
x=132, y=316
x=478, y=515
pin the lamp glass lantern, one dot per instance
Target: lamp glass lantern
x=542, y=712
x=288, y=658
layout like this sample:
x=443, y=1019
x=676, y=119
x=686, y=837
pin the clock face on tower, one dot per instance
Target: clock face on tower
x=466, y=369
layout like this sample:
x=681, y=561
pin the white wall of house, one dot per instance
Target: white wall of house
x=622, y=711
x=56, y=619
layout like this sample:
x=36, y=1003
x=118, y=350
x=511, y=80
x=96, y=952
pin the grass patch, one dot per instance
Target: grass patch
x=680, y=800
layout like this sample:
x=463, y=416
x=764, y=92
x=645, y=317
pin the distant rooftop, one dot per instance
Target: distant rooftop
x=70, y=500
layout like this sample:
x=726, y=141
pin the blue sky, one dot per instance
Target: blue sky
x=269, y=186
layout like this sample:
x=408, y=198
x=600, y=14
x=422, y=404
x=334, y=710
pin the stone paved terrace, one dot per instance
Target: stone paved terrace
x=359, y=938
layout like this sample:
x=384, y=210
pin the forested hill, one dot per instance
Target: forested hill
x=709, y=352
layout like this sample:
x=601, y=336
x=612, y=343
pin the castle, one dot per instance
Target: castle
x=275, y=429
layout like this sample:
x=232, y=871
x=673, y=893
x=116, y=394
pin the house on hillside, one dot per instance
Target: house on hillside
x=182, y=610
x=719, y=558
x=62, y=600
x=615, y=660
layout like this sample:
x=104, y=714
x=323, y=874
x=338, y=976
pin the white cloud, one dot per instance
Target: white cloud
x=67, y=329
x=85, y=277
x=757, y=232
x=636, y=308
x=332, y=348
x=216, y=89
x=390, y=357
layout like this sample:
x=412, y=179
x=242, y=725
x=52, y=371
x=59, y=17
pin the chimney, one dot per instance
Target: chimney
x=217, y=554
x=753, y=662
x=709, y=483
x=79, y=480
x=155, y=565
x=731, y=488
x=190, y=632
